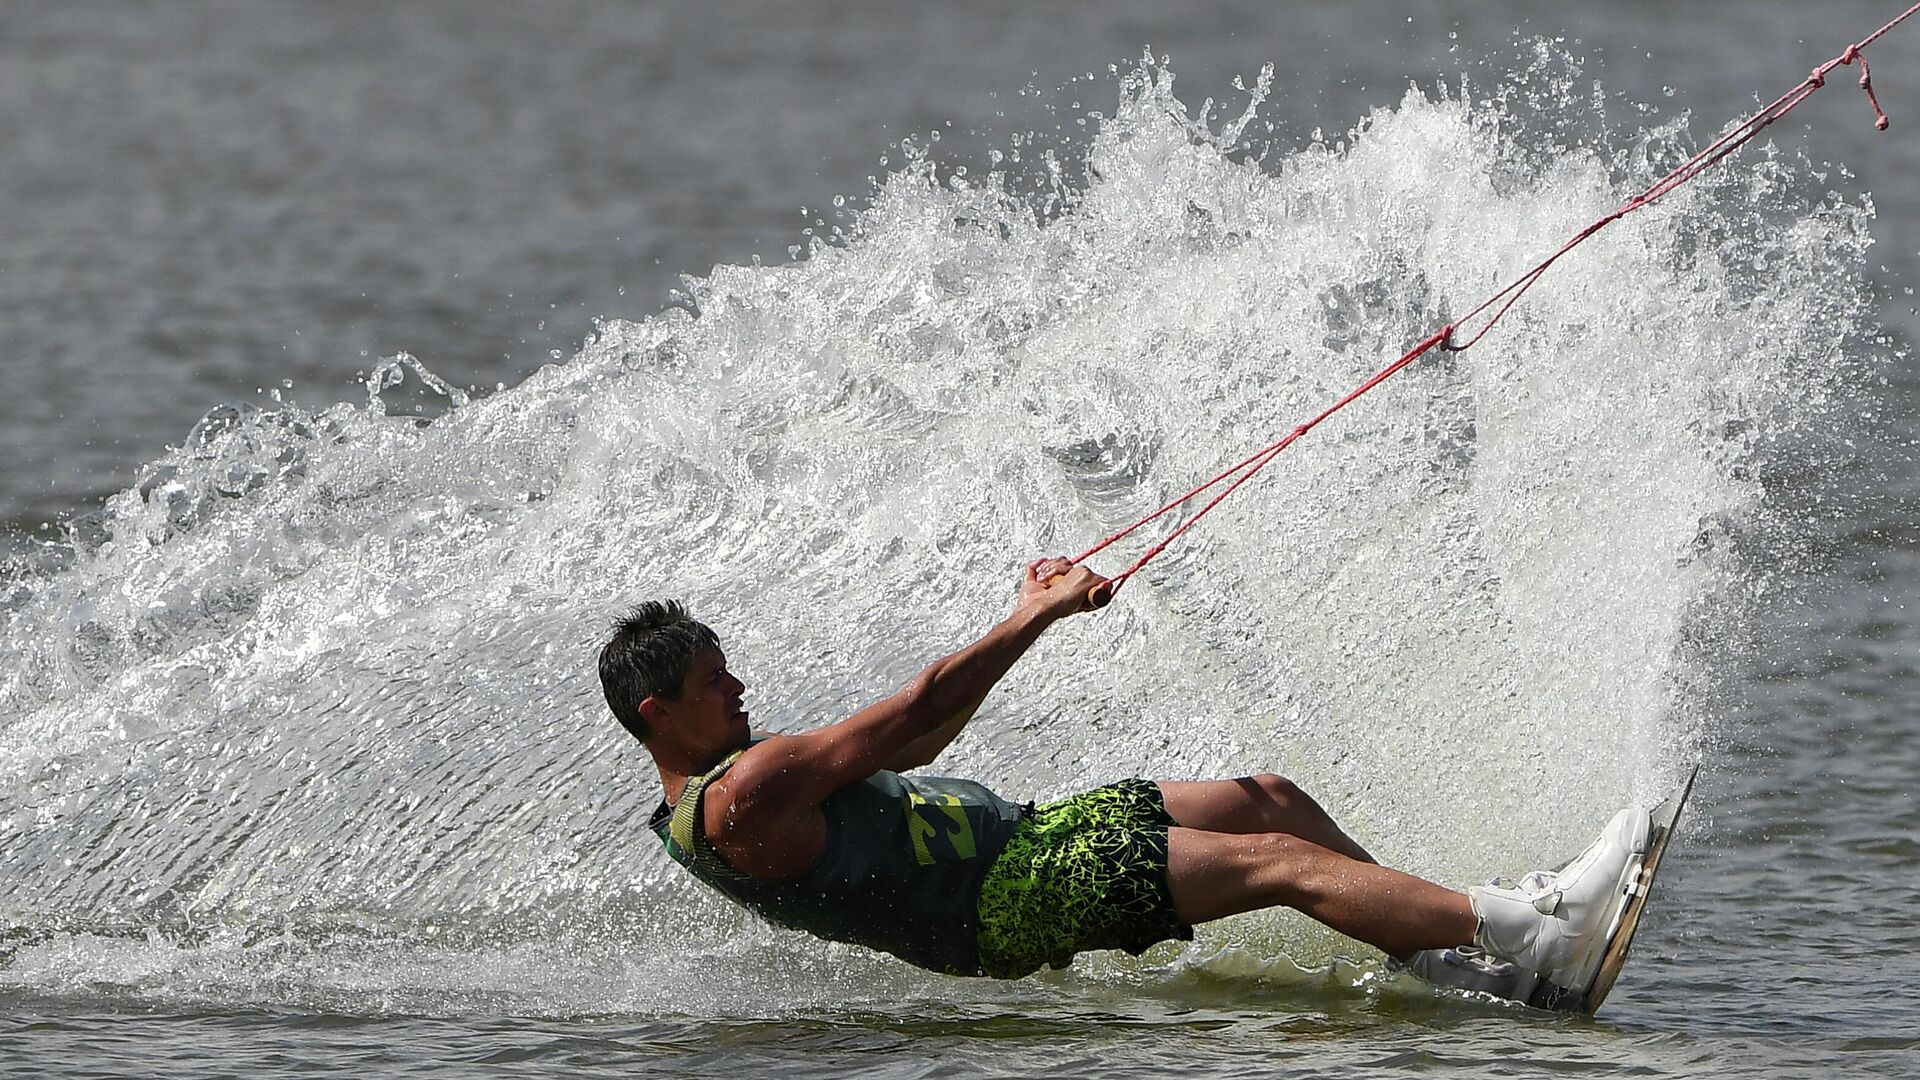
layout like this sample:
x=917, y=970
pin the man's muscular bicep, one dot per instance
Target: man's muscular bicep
x=754, y=818
x=763, y=814
x=789, y=773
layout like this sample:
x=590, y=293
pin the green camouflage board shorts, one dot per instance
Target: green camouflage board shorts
x=1087, y=872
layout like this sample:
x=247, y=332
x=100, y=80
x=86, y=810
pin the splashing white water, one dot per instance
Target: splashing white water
x=314, y=718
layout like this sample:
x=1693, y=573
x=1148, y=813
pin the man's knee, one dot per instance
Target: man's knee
x=1292, y=870
x=1279, y=792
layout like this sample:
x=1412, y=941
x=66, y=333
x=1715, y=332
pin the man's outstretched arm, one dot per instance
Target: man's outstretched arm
x=800, y=771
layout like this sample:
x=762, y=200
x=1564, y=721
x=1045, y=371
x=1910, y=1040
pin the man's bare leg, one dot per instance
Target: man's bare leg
x=1256, y=804
x=1216, y=874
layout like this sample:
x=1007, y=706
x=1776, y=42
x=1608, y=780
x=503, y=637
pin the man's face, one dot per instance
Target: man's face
x=708, y=712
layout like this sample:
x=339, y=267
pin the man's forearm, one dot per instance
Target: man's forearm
x=923, y=750
x=958, y=683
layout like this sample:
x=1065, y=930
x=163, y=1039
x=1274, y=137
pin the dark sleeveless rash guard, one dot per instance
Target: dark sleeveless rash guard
x=900, y=871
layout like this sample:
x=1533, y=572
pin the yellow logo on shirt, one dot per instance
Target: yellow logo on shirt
x=923, y=823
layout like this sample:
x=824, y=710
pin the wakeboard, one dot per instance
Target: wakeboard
x=1589, y=998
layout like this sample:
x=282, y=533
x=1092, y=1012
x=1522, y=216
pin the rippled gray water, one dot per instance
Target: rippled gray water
x=301, y=763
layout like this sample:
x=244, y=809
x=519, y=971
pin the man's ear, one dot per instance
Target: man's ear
x=652, y=711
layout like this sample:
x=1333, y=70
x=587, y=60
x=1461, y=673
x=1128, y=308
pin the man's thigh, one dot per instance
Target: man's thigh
x=1255, y=804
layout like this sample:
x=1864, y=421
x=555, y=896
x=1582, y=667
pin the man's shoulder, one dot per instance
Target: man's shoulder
x=746, y=819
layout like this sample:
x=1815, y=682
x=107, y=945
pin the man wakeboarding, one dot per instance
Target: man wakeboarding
x=822, y=831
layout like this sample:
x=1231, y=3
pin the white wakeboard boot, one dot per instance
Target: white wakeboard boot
x=1550, y=926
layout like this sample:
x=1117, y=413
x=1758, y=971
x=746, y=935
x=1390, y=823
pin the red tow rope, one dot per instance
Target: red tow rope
x=1505, y=299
